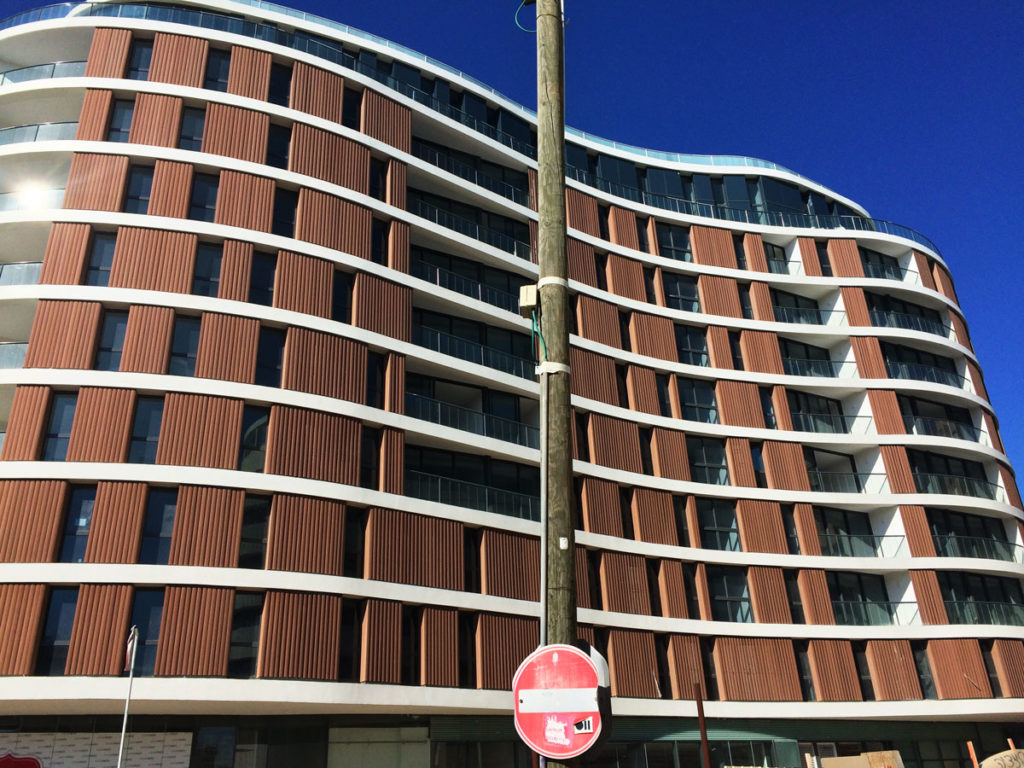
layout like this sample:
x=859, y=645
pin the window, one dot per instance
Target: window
x=351, y=109
x=108, y=354
x=649, y=291
x=252, y=551
x=157, y=526
x=767, y=407
x=957, y=534
x=858, y=598
x=101, y=257
x=280, y=84
x=928, y=417
x=697, y=400
x=218, y=63
x=746, y=308
x=789, y=525
x=601, y=270
x=622, y=385
x=138, y=189
x=718, y=526
x=245, y=634
x=823, y=260
x=350, y=648
x=378, y=178
x=674, y=242
x=831, y=471
x=793, y=308
x=691, y=345
x=206, y=278
x=860, y=659
x=369, y=458
x=990, y=668
x=924, y=668
x=776, y=257
x=844, y=533
x=757, y=459
x=730, y=596
x=149, y=413
x=269, y=356
x=376, y=374
x=58, y=428
x=203, y=202
x=938, y=473
x=147, y=608
x=583, y=436
x=53, y=645
x=625, y=340
x=891, y=312
x=707, y=662
x=661, y=381
x=799, y=359
x=411, y=626
x=707, y=460
x=736, y=349
x=814, y=413
x=379, y=242
x=193, y=120
x=139, y=56
x=796, y=606
x=253, y=450
x=877, y=264
x=77, y=521
x=341, y=297
x=973, y=598
x=353, y=542
x=803, y=666
x=910, y=363
x=184, y=346
x=646, y=459
x=739, y=250
x=641, y=234
x=120, y=120
x=285, y=203
x=681, y=292
x=279, y=141
x=261, y=278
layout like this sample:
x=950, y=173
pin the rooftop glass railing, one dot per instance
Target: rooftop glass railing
x=860, y=545
x=955, y=485
x=975, y=546
x=467, y=172
x=472, y=352
x=469, y=228
x=924, y=425
x=444, y=278
x=830, y=423
x=897, y=369
x=460, y=493
x=42, y=72
x=874, y=614
x=12, y=354
x=20, y=134
x=908, y=322
x=469, y=420
x=21, y=273
x=984, y=612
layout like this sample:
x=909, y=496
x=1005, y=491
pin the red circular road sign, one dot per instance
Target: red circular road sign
x=556, y=701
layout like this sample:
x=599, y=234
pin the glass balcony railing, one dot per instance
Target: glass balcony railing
x=466, y=286
x=20, y=134
x=847, y=482
x=882, y=271
x=830, y=423
x=796, y=366
x=897, y=369
x=952, y=545
x=12, y=354
x=860, y=545
x=955, y=485
x=43, y=72
x=468, y=420
x=467, y=172
x=874, y=614
x=908, y=322
x=459, y=493
x=805, y=316
x=984, y=612
x=470, y=228
x=925, y=425
x=20, y=273
x=472, y=352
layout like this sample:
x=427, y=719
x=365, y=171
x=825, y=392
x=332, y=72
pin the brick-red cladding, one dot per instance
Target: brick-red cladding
x=227, y=348
x=398, y=246
x=598, y=321
x=868, y=354
x=387, y=120
x=108, y=53
x=958, y=669
x=719, y=296
x=599, y=507
x=885, y=409
x=99, y=630
x=1008, y=659
x=382, y=306
x=581, y=212
x=314, y=445
x=155, y=120
x=760, y=350
x=977, y=380
x=169, y=195
x=301, y=636
x=626, y=276
x=329, y=157
x=207, y=526
x=960, y=328
x=593, y=376
x=739, y=403
x=845, y=258
x=622, y=229
x=235, y=270
x=652, y=336
x=712, y=247
x=244, y=200
x=306, y=535
x=303, y=284
x=806, y=529
x=502, y=642
x=63, y=334
x=760, y=526
x=761, y=306
x=234, y=132
x=102, y=425
x=684, y=666
x=944, y=282
x=809, y=256
x=768, y=595
x=624, y=583
x=780, y=403
x=784, y=466
x=178, y=59
x=814, y=597
x=833, y=670
x=654, y=517
x=614, y=443
x=642, y=390
x=317, y=92
x=392, y=461
x=413, y=549
x=924, y=270
x=147, y=339
x=719, y=348
x=21, y=622
x=856, y=306
x=509, y=565
x=195, y=632
x=381, y=642
x=96, y=182
x=668, y=454
x=66, y=249
x=333, y=223
x=249, y=73
x=672, y=589
x=929, y=597
x=917, y=530
x=324, y=364
x=756, y=669
x=893, y=672
x=95, y=116
x=397, y=184
x=153, y=260
x=200, y=431
x=753, y=248
x=31, y=538
x=439, y=645
x=632, y=662
x=897, y=469
x=580, y=256
x=740, y=462
x=394, y=384
x=29, y=412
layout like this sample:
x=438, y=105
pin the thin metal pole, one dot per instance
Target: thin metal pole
x=133, y=638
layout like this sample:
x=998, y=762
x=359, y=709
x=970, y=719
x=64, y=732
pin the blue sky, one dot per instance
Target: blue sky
x=914, y=110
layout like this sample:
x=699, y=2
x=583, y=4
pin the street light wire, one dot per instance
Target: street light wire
x=521, y=6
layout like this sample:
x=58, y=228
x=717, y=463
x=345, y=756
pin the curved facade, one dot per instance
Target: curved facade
x=265, y=393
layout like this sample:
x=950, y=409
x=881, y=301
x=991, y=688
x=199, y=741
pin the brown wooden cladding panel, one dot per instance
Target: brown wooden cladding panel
x=740, y=462
x=659, y=287
x=624, y=583
x=108, y=53
x=809, y=256
x=684, y=666
x=614, y=443
x=99, y=630
x=244, y=200
x=833, y=670
x=756, y=669
x=392, y=461
x=599, y=506
x=502, y=642
x=153, y=260
x=581, y=212
x=227, y=348
x=63, y=334
x=719, y=296
x=66, y=249
x=918, y=533
x=929, y=597
x=668, y=454
x=31, y=538
x=324, y=364
x=642, y=390
x=739, y=404
x=94, y=117
x=29, y=412
x=893, y=672
x=333, y=223
x=760, y=350
x=580, y=256
x=924, y=269
x=21, y=623
x=317, y=92
x=509, y=565
x=102, y=425
x=960, y=328
x=780, y=404
x=633, y=664
x=235, y=270
x=626, y=276
x=207, y=527
x=856, y=306
x=381, y=642
x=238, y=133
x=897, y=469
x=172, y=183
x=195, y=632
x=753, y=248
x=672, y=590
x=301, y=636
x=330, y=157
x=760, y=526
x=944, y=282
x=1010, y=484
x=394, y=384
x=439, y=645
x=806, y=529
x=306, y=535
x=784, y=466
x=598, y=321
x=397, y=186
x=178, y=59
x=96, y=182
x=652, y=336
x=885, y=409
x=622, y=230
x=382, y=306
x=958, y=669
x=712, y=247
x=147, y=339
x=977, y=380
x=249, y=74
x=845, y=258
x=719, y=349
x=654, y=517
x=303, y=284
x=761, y=306
x=319, y=446
x=700, y=583
x=155, y=120
x=414, y=549
x=1008, y=659
x=768, y=595
x=387, y=120
x=593, y=376
x=868, y=354
x=200, y=431
x=582, y=579
x=814, y=597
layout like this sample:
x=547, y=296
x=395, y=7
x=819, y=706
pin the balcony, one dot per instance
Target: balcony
x=955, y=485
x=469, y=228
x=952, y=545
x=803, y=315
x=882, y=271
x=908, y=322
x=21, y=134
x=21, y=273
x=830, y=423
x=925, y=425
x=472, y=352
x=468, y=420
x=460, y=493
x=984, y=612
x=897, y=369
x=443, y=278
x=795, y=366
x=860, y=545
x=847, y=482
x=12, y=354
x=874, y=614
x=43, y=72
x=467, y=172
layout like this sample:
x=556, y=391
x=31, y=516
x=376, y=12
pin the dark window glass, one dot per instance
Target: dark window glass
x=139, y=56
x=206, y=279
x=351, y=640
x=691, y=345
x=77, y=522
x=740, y=251
x=280, y=84
x=203, y=202
x=661, y=380
x=649, y=293
x=794, y=308
x=730, y=595
x=601, y=270
x=814, y=413
x=646, y=459
x=369, y=458
x=924, y=669
x=279, y=141
x=341, y=297
x=245, y=634
x=641, y=234
x=823, y=260
x=796, y=607
x=625, y=339
x=622, y=385
x=718, y=526
x=674, y=241
x=681, y=292
x=101, y=257
x=53, y=645
x=767, y=407
x=108, y=354
x=285, y=203
x=990, y=668
x=269, y=356
x=261, y=278
x=149, y=412
x=411, y=625
x=351, y=108
x=184, y=346
x=803, y=666
x=193, y=121
x=789, y=524
x=376, y=372
x=707, y=460
x=938, y=473
x=737, y=350
x=860, y=658
x=138, y=188
x=120, y=120
x=58, y=428
x=379, y=242
x=697, y=400
x=746, y=308
x=831, y=471
x=378, y=178
x=776, y=258
x=218, y=63
x=158, y=525
x=252, y=550
x=757, y=459
x=353, y=542
x=253, y=451
x=147, y=609
x=877, y=264
x=707, y=659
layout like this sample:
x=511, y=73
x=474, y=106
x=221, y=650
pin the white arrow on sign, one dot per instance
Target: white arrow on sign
x=551, y=700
